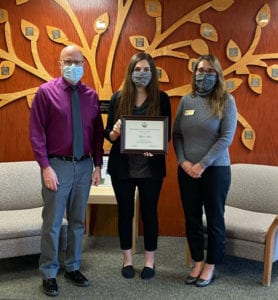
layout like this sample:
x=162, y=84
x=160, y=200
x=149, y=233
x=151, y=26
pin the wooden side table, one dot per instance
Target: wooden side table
x=105, y=195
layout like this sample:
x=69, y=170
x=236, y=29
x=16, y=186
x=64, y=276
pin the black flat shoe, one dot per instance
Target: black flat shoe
x=50, y=287
x=128, y=271
x=204, y=282
x=147, y=273
x=77, y=278
x=190, y=279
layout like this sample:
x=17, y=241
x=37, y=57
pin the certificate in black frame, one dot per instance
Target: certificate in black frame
x=141, y=134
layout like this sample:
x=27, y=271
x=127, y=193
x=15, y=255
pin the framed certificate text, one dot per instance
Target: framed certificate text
x=144, y=134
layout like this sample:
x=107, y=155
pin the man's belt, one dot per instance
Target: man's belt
x=69, y=158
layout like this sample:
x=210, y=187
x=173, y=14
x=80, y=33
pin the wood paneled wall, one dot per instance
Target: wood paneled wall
x=237, y=23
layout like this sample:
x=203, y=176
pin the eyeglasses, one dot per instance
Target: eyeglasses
x=69, y=62
x=208, y=70
x=138, y=69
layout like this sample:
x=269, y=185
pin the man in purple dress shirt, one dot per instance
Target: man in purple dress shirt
x=66, y=179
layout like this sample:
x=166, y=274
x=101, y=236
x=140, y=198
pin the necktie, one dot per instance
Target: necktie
x=77, y=144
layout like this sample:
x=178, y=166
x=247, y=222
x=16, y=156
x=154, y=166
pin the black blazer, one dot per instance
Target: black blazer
x=118, y=162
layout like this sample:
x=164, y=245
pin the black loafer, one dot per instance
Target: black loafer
x=50, y=287
x=204, y=282
x=190, y=279
x=147, y=273
x=77, y=278
x=128, y=271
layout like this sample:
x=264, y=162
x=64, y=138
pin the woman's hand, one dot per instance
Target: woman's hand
x=116, y=131
x=148, y=154
x=186, y=166
x=197, y=170
x=193, y=170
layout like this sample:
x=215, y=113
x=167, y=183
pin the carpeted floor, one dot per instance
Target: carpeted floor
x=101, y=263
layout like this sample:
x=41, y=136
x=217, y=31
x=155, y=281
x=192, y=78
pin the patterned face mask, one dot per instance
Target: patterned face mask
x=205, y=82
x=141, y=78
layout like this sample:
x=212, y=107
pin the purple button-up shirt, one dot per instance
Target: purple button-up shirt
x=51, y=121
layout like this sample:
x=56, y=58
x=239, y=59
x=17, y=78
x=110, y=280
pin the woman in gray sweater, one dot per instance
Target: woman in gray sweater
x=203, y=130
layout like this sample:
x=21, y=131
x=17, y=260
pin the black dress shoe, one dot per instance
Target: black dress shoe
x=204, y=282
x=50, y=287
x=77, y=278
x=147, y=273
x=190, y=279
x=128, y=271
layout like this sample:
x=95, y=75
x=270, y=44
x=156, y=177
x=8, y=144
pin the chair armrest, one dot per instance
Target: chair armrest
x=268, y=253
x=270, y=236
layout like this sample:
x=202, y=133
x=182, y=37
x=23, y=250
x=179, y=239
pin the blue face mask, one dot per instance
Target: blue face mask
x=141, y=78
x=205, y=83
x=73, y=73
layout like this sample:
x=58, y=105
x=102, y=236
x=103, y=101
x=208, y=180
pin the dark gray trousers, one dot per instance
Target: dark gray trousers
x=207, y=194
x=149, y=190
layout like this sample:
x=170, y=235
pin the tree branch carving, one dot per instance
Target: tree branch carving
x=239, y=62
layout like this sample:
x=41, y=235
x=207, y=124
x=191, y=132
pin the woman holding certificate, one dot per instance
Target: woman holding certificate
x=204, y=127
x=140, y=97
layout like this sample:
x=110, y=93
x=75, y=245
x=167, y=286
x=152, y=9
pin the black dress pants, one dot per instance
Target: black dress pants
x=208, y=192
x=149, y=190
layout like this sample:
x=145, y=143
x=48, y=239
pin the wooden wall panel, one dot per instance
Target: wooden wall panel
x=237, y=23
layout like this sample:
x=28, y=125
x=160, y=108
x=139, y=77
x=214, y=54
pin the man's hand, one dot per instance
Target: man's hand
x=50, y=179
x=96, y=176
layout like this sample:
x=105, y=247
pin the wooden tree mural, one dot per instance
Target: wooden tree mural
x=239, y=61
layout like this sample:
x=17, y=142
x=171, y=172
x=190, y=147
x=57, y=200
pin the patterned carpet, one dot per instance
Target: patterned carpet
x=101, y=263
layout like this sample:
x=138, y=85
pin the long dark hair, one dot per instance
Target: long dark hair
x=127, y=95
x=218, y=98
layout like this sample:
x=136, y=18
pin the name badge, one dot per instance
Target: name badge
x=189, y=112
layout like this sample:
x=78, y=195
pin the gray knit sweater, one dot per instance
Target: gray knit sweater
x=200, y=137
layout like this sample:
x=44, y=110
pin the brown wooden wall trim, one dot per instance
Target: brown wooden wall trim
x=240, y=33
